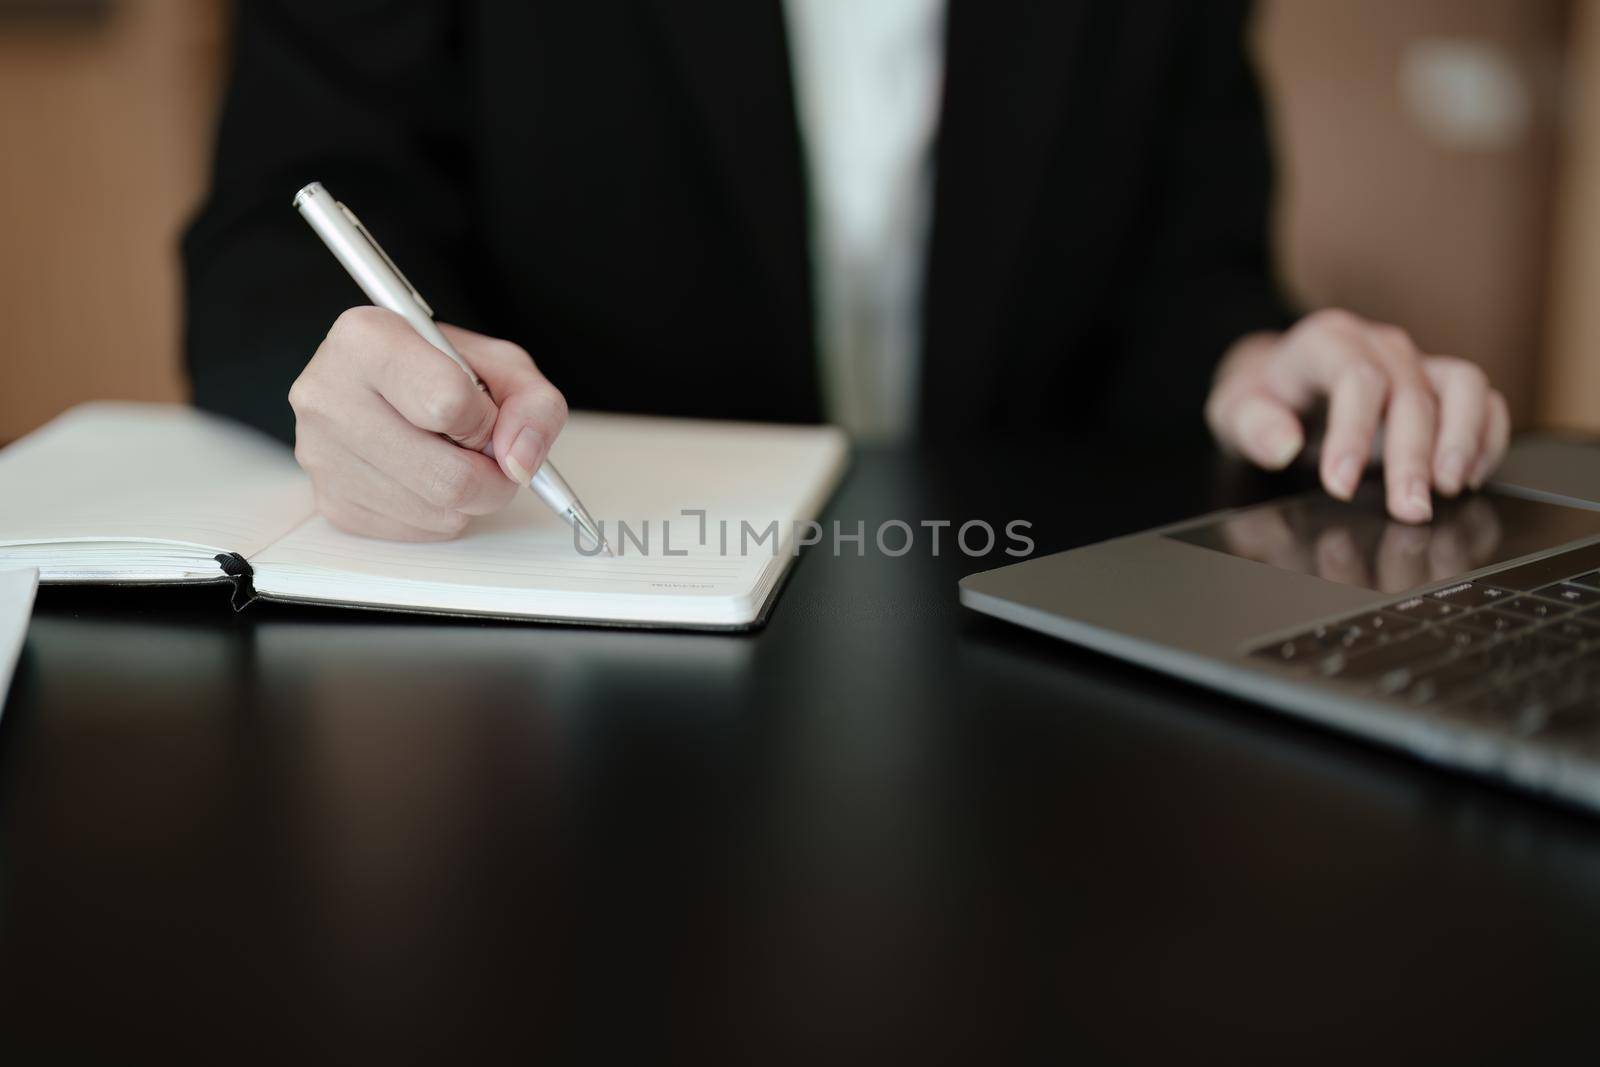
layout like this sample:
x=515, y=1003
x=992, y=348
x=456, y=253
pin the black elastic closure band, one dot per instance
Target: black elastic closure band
x=237, y=567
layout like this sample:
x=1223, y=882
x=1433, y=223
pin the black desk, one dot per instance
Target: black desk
x=883, y=826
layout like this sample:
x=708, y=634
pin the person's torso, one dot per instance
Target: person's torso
x=641, y=178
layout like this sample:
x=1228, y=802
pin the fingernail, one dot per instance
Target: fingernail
x=1346, y=473
x=1452, y=470
x=1418, y=498
x=524, y=454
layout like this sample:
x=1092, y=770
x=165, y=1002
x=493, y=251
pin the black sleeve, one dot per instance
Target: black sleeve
x=1202, y=276
x=369, y=99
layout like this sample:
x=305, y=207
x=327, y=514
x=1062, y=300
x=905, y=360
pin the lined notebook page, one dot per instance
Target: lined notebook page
x=640, y=472
x=131, y=472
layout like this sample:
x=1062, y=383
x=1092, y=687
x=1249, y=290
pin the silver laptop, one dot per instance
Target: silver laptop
x=1472, y=642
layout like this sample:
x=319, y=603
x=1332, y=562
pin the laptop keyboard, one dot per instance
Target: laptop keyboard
x=1519, y=649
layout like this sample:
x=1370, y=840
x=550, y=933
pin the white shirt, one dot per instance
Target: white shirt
x=868, y=77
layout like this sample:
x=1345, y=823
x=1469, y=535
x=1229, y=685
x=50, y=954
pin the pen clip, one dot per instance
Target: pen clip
x=376, y=247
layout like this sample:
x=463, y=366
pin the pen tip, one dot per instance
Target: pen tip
x=593, y=531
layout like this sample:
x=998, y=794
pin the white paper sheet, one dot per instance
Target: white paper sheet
x=644, y=473
x=127, y=475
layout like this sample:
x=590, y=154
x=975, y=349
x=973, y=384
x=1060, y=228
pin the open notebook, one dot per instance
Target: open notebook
x=134, y=493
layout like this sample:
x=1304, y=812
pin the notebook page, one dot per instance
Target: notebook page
x=641, y=473
x=113, y=471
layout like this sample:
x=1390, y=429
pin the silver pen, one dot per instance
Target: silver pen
x=385, y=286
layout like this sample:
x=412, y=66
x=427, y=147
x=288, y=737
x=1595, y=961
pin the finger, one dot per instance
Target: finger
x=1330, y=354
x=349, y=477
x=1315, y=354
x=1408, y=452
x=354, y=519
x=1410, y=426
x=1355, y=406
x=532, y=412
x=1261, y=428
x=1463, y=393
x=419, y=381
x=1496, y=438
x=442, y=474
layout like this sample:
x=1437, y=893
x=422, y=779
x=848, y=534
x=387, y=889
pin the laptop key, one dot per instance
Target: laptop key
x=1515, y=656
x=1515, y=705
x=1585, y=666
x=1309, y=647
x=1527, y=651
x=1291, y=650
x=1591, y=580
x=1353, y=639
x=1471, y=594
x=1425, y=608
x=1409, y=655
x=1451, y=680
x=1534, y=608
x=1533, y=701
x=1499, y=707
x=1573, y=629
x=1463, y=637
x=1384, y=624
x=1494, y=621
x=1567, y=593
x=1347, y=636
x=1552, y=648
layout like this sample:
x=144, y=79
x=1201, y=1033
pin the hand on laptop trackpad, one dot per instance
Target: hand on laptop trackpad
x=1357, y=544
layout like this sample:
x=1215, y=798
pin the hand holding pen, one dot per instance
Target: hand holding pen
x=376, y=402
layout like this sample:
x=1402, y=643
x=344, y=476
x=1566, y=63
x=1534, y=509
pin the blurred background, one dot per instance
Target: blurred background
x=1440, y=168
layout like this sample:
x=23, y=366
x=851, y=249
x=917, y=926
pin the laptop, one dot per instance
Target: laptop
x=1472, y=642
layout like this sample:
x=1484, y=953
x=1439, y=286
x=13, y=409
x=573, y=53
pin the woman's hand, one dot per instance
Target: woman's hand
x=373, y=410
x=1442, y=426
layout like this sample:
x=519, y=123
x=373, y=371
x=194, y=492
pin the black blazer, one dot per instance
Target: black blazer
x=619, y=186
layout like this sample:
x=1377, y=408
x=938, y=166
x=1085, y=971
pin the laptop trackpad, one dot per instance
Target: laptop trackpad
x=1357, y=544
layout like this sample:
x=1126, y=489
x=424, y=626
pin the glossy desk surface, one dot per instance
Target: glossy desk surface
x=883, y=827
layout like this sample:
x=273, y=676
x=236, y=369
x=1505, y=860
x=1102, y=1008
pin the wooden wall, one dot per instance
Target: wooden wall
x=1419, y=142
x=1569, y=379
x=104, y=125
